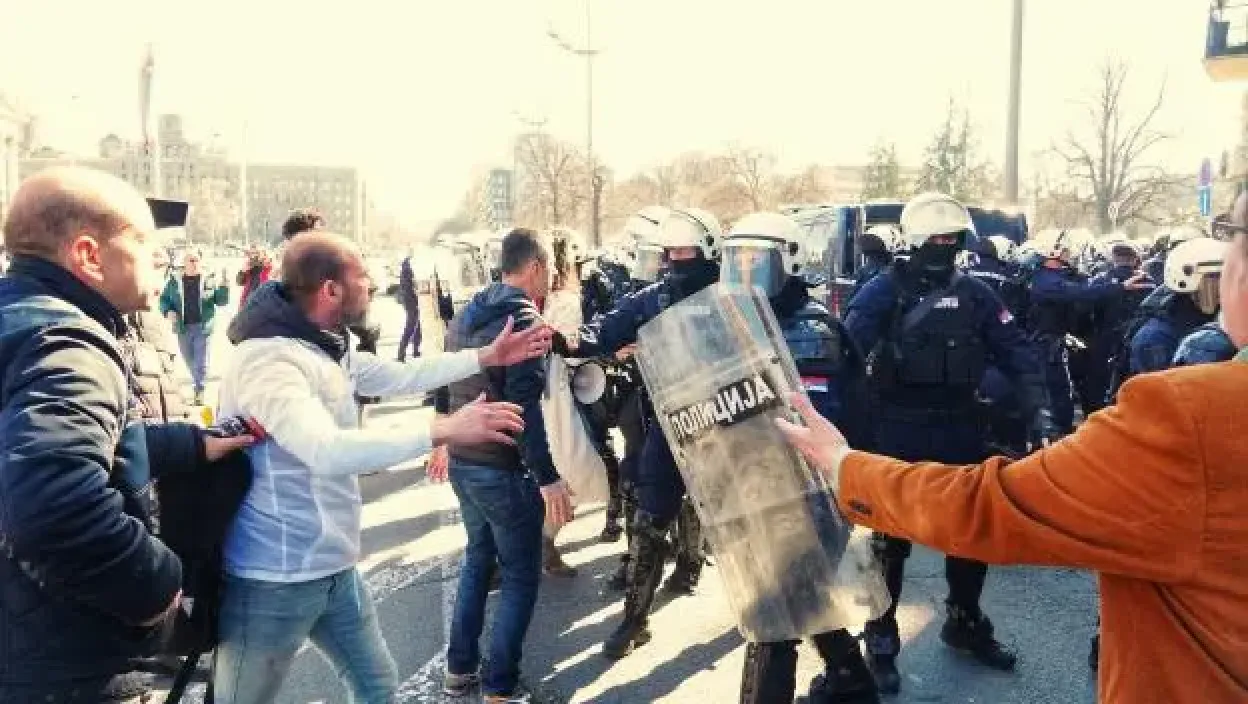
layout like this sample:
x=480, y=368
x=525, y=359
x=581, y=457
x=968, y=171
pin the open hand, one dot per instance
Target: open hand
x=215, y=448
x=478, y=423
x=558, y=503
x=515, y=347
x=819, y=441
x=439, y=465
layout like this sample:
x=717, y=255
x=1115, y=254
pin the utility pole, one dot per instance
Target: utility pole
x=1015, y=109
x=588, y=52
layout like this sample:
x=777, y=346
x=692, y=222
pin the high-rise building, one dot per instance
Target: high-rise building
x=498, y=203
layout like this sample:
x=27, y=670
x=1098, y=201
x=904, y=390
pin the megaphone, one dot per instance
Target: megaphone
x=589, y=383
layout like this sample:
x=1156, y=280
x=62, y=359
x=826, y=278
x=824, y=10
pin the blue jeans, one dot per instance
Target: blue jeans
x=264, y=624
x=502, y=512
x=193, y=341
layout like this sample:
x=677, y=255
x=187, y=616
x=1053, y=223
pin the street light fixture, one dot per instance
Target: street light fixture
x=588, y=52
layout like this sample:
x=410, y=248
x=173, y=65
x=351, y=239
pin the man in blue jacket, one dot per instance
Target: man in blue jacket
x=83, y=583
x=505, y=491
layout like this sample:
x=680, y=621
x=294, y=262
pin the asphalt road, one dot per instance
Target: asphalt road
x=413, y=541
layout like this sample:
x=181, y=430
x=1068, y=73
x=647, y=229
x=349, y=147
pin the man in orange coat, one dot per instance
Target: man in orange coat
x=1151, y=493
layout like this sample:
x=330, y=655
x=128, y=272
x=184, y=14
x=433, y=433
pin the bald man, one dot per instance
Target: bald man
x=82, y=581
x=290, y=559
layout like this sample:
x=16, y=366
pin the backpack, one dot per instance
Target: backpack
x=197, y=510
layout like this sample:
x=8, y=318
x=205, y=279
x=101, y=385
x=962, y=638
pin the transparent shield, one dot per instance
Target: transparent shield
x=718, y=372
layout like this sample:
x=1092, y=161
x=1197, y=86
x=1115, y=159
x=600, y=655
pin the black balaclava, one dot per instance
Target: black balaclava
x=689, y=276
x=935, y=262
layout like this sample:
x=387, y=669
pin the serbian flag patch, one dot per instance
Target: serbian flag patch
x=815, y=383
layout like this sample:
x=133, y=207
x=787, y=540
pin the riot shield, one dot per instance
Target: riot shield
x=719, y=372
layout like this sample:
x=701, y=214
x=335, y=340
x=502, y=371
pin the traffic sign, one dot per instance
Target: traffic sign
x=1206, y=173
x=1205, y=198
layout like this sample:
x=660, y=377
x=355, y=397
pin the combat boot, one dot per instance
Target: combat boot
x=649, y=550
x=612, y=531
x=883, y=644
x=689, y=552
x=973, y=634
x=846, y=678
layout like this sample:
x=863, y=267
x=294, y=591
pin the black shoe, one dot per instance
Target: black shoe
x=973, y=635
x=1094, y=654
x=646, y=558
x=884, y=671
x=611, y=532
x=851, y=683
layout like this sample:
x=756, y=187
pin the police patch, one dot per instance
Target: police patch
x=730, y=405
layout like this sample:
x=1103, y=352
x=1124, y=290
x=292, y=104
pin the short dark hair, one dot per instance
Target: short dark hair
x=302, y=220
x=312, y=260
x=521, y=246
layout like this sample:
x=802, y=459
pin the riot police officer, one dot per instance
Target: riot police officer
x=930, y=331
x=1060, y=298
x=765, y=250
x=1193, y=269
x=690, y=239
x=876, y=245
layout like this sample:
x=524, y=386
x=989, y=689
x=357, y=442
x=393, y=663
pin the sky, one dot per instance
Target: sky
x=423, y=95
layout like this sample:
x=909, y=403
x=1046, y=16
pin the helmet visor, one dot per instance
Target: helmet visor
x=649, y=264
x=753, y=265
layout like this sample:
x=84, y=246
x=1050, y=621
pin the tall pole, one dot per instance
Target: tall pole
x=589, y=127
x=1016, y=80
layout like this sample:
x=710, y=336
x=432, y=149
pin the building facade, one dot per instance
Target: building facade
x=14, y=124
x=213, y=184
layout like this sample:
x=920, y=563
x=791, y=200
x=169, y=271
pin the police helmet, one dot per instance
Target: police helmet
x=1194, y=267
x=690, y=227
x=889, y=237
x=642, y=225
x=1003, y=248
x=930, y=215
x=1118, y=246
x=763, y=250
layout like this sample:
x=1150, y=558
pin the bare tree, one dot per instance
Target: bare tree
x=754, y=171
x=1111, y=164
x=551, y=184
x=805, y=186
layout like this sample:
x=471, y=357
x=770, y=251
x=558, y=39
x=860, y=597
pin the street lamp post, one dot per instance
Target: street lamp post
x=1016, y=78
x=588, y=52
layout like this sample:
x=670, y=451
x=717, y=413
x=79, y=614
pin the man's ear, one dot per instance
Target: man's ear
x=85, y=257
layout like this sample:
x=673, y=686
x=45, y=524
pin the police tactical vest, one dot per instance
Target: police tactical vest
x=933, y=342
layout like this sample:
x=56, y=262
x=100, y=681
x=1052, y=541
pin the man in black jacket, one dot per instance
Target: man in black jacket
x=84, y=586
x=502, y=488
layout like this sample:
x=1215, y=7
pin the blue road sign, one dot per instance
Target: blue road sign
x=1205, y=197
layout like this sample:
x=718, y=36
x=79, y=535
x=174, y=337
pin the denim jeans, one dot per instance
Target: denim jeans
x=502, y=512
x=193, y=341
x=264, y=624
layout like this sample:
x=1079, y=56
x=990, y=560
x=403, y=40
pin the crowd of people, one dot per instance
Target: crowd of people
x=1004, y=404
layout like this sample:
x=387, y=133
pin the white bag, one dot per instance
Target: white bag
x=571, y=446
